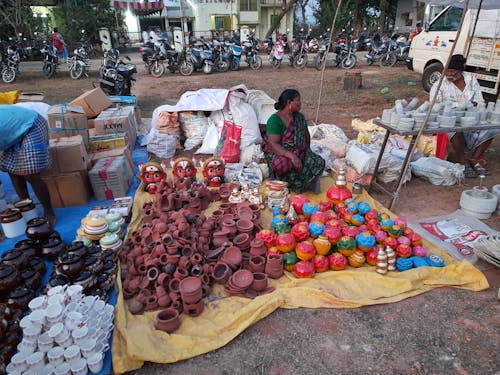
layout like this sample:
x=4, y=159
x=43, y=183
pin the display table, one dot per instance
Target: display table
x=413, y=133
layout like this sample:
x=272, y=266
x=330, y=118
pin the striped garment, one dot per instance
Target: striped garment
x=31, y=155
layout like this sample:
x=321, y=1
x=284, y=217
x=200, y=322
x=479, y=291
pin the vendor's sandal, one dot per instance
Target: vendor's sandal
x=470, y=172
x=480, y=170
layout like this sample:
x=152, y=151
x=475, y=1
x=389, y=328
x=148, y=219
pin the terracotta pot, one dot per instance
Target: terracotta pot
x=257, y=263
x=174, y=285
x=230, y=226
x=196, y=270
x=259, y=281
x=196, y=259
x=257, y=247
x=244, y=226
x=135, y=307
x=242, y=241
x=152, y=273
x=164, y=301
x=152, y=303
x=193, y=309
x=168, y=320
x=187, y=251
x=181, y=273
x=232, y=257
x=190, y=289
x=143, y=295
x=220, y=237
x=221, y=272
x=184, y=262
x=274, y=266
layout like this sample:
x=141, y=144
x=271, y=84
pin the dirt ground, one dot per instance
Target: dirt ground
x=445, y=331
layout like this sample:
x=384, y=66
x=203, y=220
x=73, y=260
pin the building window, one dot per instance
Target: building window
x=221, y=22
x=275, y=21
x=248, y=6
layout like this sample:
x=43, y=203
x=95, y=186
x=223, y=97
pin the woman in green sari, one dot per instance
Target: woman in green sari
x=287, y=146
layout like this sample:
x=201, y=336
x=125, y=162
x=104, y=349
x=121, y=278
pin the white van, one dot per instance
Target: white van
x=430, y=49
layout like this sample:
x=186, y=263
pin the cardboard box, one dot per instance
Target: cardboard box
x=115, y=120
x=93, y=102
x=68, y=189
x=106, y=142
x=95, y=156
x=30, y=97
x=111, y=177
x=90, y=123
x=68, y=154
x=67, y=121
x=123, y=205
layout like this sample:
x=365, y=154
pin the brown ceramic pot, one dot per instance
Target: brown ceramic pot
x=257, y=263
x=259, y=281
x=168, y=320
x=221, y=272
x=190, y=289
x=193, y=309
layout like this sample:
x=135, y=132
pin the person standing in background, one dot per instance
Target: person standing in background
x=416, y=30
x=24, y=153
x=60, y=45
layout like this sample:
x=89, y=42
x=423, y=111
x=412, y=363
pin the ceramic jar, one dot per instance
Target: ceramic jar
x=13, y=223
x=51, y=247
x=27, y=208
x=9, y=277
x=190, y=289
x=38, y=228
x=168, y=320
x=274, y=266
x=15, y=258
x=71, y=264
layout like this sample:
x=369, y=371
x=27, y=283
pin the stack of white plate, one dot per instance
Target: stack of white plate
x=467, y=121
x=406, y=123
x=488, y=248
x=386, y=116
x=446, y=121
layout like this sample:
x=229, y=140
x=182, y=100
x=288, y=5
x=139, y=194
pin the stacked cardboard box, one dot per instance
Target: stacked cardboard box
x=111, y=177
x=114, y=128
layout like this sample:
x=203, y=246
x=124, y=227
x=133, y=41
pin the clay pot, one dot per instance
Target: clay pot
x=168, y=320
x=174, y=285
x=257, y=247
x=220, y=237
x=71, y=264
x=190, y=289
x=221, y=272
x=38, y=265
x=274, y=266
x=242, y=241
x=257, y=263
x=152, y=273
x=242, y=279
x=28, y=247
x=164, y=301
x=181, y=273
x=31, y=278
x=9, y=277
x=51, y=248
x=20, y=297
x=77, y=247
x=244, y=226
x=230, y=226
x=196, y=259
x=232, y=257
x=152, y=303
x=187, y=251
x=86, y=279
x=196, y=270
x=38, y=228
x=143, y=296
x=135, y=307
x=259, y=281
x=193, y=309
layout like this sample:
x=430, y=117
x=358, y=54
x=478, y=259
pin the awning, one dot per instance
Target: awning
x=140, y=8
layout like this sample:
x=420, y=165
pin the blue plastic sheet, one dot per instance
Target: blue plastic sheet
x=68, y=221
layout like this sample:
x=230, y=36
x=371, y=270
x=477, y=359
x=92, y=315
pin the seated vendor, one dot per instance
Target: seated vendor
x=287, y=146
x=460, y=87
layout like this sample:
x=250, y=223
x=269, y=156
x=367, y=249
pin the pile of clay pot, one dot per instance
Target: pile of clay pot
x=173, y=260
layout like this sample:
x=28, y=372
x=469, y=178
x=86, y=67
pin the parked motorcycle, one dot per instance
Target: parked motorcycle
x=201, y=56
x=378, y=48
x=251, y=50
x=153, y=55
x=344, y=53
x=10, y=64
x=79, y=63
x=116, y=77
x=50, y=60
x=221, y=62
x=233, y=54
x=178, y=61
x=277, y=53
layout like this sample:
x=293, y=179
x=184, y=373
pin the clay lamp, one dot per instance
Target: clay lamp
x=364, y=208
x=339, y=193
x=38, y=228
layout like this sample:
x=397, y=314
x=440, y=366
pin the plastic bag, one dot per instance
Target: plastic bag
x=161, y=144
x=437, y=171
x=250, y=153
x=244, y=115
x=195, y=125
x=228, y=147
x=251, y=176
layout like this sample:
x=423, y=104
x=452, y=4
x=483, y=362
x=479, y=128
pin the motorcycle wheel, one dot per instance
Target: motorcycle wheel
x=388, y=60
x=319, y=62
x=77, y=72
x=300, y=62
x=256, y=62
x=349, y=61
x=222, y=65
x=9, y=75
x=49, y=70
x=207, y=68
x=234, y=65
x=157, y=70
x=186, y=68
x=275, y=63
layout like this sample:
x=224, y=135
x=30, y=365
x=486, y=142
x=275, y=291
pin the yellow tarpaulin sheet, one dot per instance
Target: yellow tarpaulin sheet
x=225, y=317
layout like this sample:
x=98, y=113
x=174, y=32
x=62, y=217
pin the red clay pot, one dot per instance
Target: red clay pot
x=168, y=320
x=259, y=281
x=221, y=272
x=193, y=309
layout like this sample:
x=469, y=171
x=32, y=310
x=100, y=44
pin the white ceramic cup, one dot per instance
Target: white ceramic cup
x=74, y=293
x=62, y=369
x=72, y=306
x=18, y=361
x=32, y=332
x=56, y=299
x=35, y=360
x=95, y=362
x=27, y=346
x=99, y=306
x=37, y=317
x=58, y=332
x=11, y=369
x=48, y=369
x=59, y=289
x=54, y=313
x=45, y=342
x=73, y=319
x=101, y=347
x=71, y=353
x=25, y=322
x=88, y=347
x=79, y=366
x=80, y=334
x=38, y=303
x=89, y=301
x=56, y=355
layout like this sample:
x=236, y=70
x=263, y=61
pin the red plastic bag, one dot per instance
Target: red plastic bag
x=229, y=143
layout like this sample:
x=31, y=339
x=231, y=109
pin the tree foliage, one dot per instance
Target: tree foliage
x=286, y=6
x=15, y=17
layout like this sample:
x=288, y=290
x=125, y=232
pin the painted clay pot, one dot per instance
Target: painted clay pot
x=300, y=231
x=285, y=242
x=305, y=250
x=337, y=261
x=168, y=320
x=303, y=269
x=322, y=245
x=357, y=259
x=321, y=263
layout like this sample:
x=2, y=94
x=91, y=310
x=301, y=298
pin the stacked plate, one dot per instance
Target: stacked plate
x=446, y=121
x=468, y=121
x=406, y=123
x=488, y=249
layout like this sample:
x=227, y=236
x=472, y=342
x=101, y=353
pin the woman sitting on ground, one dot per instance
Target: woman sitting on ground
x=287, y=146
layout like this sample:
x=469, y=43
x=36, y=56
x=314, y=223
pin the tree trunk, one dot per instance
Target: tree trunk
x=285, y=8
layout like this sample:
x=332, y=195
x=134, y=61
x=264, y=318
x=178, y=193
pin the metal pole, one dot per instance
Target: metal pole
x=433, y=101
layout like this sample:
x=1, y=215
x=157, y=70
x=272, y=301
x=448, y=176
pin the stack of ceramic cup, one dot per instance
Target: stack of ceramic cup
x=94, y=226
x=66, y=332
x=116, y=223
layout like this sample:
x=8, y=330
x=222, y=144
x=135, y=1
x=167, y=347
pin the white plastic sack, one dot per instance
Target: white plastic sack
x=327, y=131
x=361, y=157
x=194, y=124
x=211, y=139
x=392, y=169
x=232, y=172
x=325, y=153
x=437, y=171
x=250, y=153
x=262, y=104
x=162, y=145
x=244, y=116
x=41, y=108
